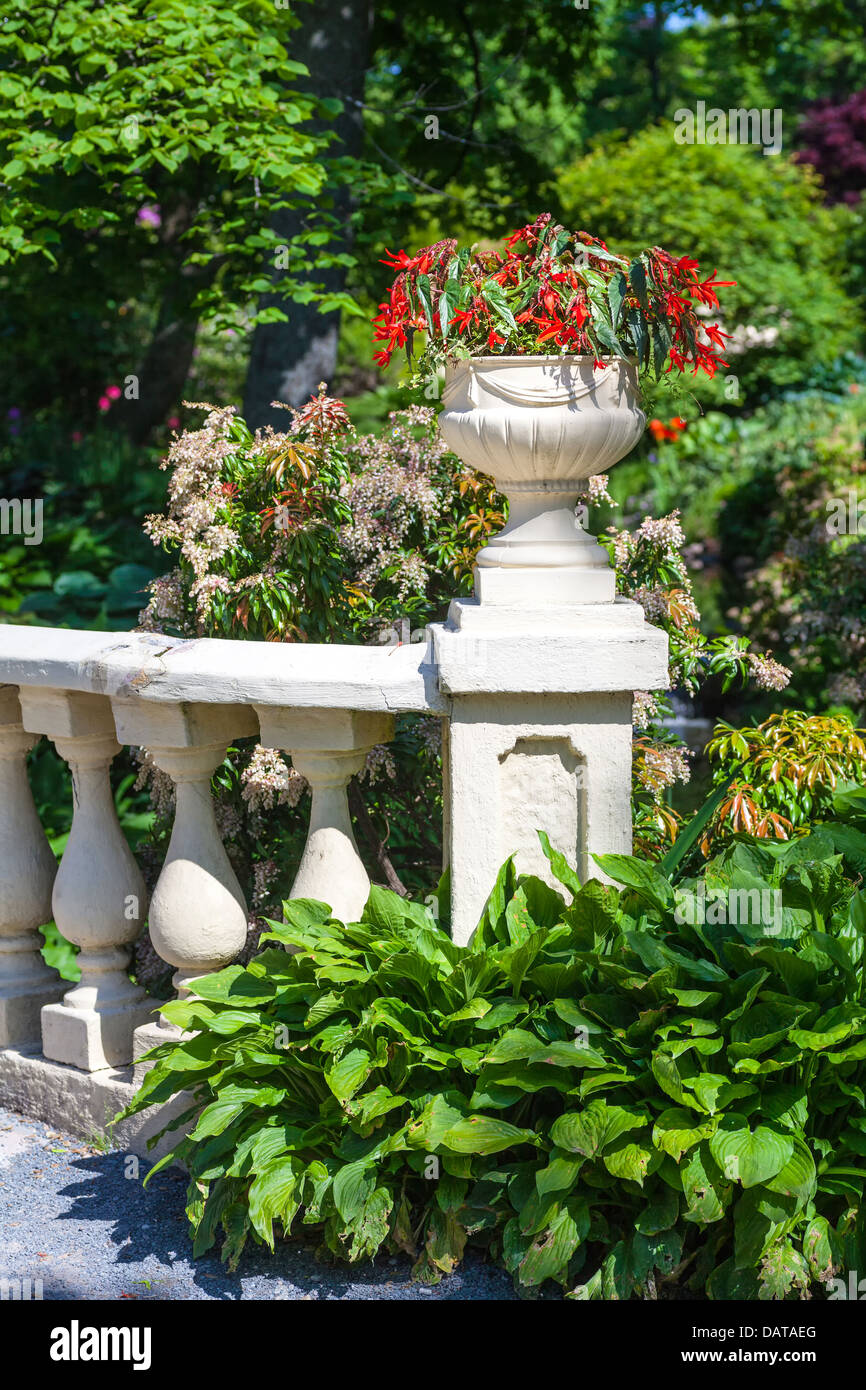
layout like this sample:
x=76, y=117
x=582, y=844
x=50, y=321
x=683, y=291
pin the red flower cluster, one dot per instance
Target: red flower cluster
x=672, y=430
x=551, y=291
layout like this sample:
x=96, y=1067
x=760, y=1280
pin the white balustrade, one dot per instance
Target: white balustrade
x=328, y=747
x=198, y=916
x=27, y=871
x=536, y=711
x=99, y=900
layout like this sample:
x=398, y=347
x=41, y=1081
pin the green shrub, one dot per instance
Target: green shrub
x=688, y=198
x=619, y=1094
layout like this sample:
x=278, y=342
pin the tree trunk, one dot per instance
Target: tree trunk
x=288, y=360
x=161, y=376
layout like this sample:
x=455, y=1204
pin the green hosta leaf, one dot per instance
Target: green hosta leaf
x=798, y=1178
x=593, y=912
x=704, y=999
x=715, y=1092
x=317, y=1183
x=326, y=1004
x=706, y=1190
x=643, y=878
x=353, y=1184
x=260, y=1149
x=559, y=864
x=560, y=1174
x=446, y=1240
x=675, y=1131
x=514, y=1046
x=761, y=1027
x=667, y=1074
x=823, y=1249
x=728, y=1282
x=783, y=1270
x=433, y=1123
x=501, y=1015
x=627, y=1159
x=350, y=1072
x=785, y=1104
x=476, y=1008
x=660, y=1213
x=484, y=1134
x=235, y=1222
x=598, y=1124
x=632, y=1261
x=815, y=1040
x=548, y=1254
x=370, y=1227
x=377, y=1103
x=215, y=1118
x=234, y=985
x=749, y=1156
x=275, y=1192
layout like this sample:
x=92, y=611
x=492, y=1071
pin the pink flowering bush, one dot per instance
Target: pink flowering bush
x=651, y=569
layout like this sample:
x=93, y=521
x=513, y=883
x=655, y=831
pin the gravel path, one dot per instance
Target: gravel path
x=69, y=1217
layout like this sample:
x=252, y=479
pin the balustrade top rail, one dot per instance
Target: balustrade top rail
x=208, y=670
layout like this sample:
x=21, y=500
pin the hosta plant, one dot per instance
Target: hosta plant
x=551, y=291
x=621, y=1089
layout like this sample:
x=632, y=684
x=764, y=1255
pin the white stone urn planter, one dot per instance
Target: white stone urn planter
x=540, y=426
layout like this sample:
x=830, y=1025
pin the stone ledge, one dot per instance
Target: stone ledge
x=583, y=649
x=82, y=1103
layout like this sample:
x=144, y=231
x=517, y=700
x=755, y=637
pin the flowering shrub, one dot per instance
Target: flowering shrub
x=551, y=291
x=315, y=534
x=651, y=569
x=805, y=591
x=788, y=770
x=319, y=534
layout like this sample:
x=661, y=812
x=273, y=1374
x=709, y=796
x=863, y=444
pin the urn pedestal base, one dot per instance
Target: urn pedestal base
x=543, y=588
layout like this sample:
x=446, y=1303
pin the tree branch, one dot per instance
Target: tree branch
x=376, y=846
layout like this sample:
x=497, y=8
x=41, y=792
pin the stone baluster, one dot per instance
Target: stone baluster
x=328, y=747
x=198, y=916
x=27, y=871
x=99, y=899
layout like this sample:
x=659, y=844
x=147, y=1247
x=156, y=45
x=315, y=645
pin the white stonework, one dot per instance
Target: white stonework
x=540, y=426
x=533, y=681
x=99, y=900
x=27, y=872
x=540, y=737
x=198, y=917
x=328, y=747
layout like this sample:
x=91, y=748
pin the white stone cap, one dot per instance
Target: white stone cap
x=220, y=671
x=573, y=649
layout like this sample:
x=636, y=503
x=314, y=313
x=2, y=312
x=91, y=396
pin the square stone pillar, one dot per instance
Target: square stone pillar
x=540, y=737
